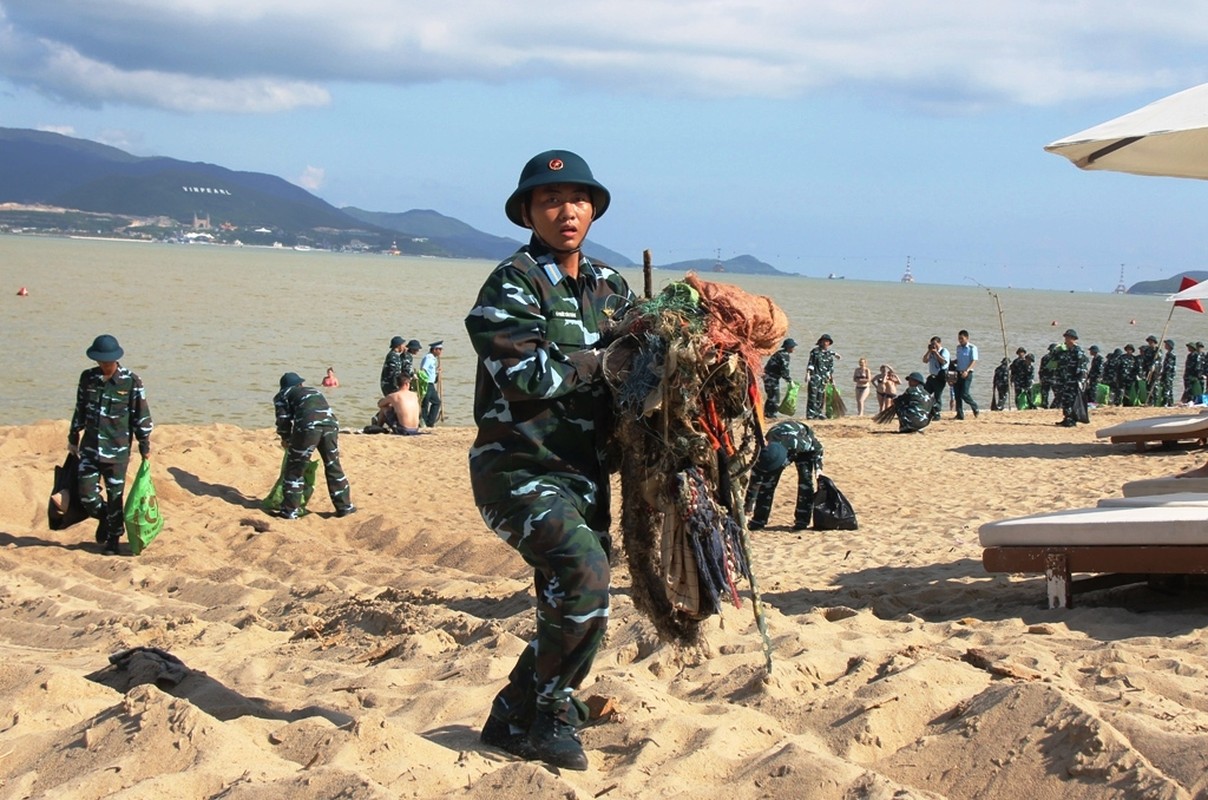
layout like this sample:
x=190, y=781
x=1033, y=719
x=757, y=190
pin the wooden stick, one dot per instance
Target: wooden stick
x=647, y=280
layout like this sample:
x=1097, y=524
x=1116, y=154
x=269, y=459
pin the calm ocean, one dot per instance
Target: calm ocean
x=210, y=329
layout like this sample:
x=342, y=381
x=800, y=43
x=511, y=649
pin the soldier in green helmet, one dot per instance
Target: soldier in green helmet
x=111, y=409
x=537, y=467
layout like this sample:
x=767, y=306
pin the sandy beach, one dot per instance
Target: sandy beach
x=357, y=657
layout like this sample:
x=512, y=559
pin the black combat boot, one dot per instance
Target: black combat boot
x=556, y=742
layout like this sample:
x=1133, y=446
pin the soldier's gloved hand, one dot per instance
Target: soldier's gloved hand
x=144, y=448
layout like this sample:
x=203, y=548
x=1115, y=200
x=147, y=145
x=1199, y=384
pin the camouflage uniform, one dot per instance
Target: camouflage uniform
x=1129, y=368
x=1045, y=373
x=537, y=465
x=1191, y=375
x=1072, y=366
x=801, y=448
x=1164, y=391
x=1111, y=375
x=1023, y=374
x=1094, y=376
x=775, y=371
x=913, y=408
x=1147, y=358
x=305, y=422
x=109, y=413
x=407, y=367
x=392, y=371
x=1002, y=384
x=821, y=368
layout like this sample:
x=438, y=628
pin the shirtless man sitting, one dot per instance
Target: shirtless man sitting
x=404, y=404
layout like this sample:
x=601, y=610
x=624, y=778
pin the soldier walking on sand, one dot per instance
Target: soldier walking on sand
x=111, y=408
x=537, y=467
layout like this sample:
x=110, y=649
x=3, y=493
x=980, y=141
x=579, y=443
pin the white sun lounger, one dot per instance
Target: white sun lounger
x=1166, y=430
x=1119, y=543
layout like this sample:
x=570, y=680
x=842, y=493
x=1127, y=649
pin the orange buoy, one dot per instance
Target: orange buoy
x=1132, y=322
x=1053, y=323
x=22, y=292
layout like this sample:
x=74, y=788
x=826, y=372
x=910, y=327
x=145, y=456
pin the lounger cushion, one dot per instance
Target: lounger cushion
x=1110, y=525
x=1172, y=426
x=1167, y=485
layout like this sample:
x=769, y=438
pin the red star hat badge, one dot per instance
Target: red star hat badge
x=556, y=164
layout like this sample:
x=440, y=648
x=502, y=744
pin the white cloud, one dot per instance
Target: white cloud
x=273, y=55
x=312, y=178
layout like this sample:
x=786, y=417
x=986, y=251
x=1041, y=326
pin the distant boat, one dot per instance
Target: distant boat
x=302, y=248
x=834, y=277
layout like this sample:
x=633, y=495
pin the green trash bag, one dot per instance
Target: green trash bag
x=1138, y=393
x=420, y=384
x=1023, y=400
x=273, y=501
x=788, y=406
x=1102, y=393
x=141, y=515
x=835, y=407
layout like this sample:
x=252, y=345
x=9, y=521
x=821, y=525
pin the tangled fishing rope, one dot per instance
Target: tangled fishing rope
x=684, y=371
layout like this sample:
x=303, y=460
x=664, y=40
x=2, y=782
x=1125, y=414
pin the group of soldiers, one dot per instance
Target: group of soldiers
x=1127, y=376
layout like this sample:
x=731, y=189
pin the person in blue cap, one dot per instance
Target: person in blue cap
x=305, y=423
x=111, y=409
x=775, y=371
x=537, y=465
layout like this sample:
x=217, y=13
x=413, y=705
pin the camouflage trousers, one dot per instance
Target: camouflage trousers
x=771, y=394
x=92, y=473
x=301, y=446
x=1067, y=395
x=815, y=405
x=559, y=525
x=763, y=490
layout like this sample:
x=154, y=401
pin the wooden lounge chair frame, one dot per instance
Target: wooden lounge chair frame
x=1123, y=564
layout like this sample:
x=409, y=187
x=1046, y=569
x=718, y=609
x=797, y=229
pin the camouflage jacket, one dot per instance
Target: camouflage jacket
x=407, y=368
x=1023, y=372
x=539, y=401
x=1170, y=365
x=1129, y=369
x=1147, y=356
x=1072, y=364
x=913, y=406
x=821, y=364
x=1094, y=373
x=110, y=413
x=392, y=370
x=777, y=368
x=301, y=408
x=798, y=440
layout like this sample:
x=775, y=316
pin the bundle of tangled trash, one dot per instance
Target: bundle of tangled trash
x=684, y=372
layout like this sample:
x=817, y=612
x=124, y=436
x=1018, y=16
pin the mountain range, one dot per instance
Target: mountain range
x=107, y=189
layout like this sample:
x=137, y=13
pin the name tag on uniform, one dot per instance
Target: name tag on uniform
x=566, y=314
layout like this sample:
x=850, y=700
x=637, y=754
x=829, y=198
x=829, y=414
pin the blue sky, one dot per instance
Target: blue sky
x=818, y=136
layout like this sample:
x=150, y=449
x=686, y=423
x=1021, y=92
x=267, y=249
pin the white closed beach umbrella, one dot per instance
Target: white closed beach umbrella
x=1168, y=137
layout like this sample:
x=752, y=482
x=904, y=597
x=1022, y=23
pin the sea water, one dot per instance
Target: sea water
x=211, y=328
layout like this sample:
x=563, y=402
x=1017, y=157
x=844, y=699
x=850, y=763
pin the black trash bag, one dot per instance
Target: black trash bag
x=66, y=480
x=832, y=511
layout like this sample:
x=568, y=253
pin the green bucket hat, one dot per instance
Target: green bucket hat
x=555, y=166
x=105, y=348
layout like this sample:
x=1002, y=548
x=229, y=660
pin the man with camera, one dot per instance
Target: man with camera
x=936, y=358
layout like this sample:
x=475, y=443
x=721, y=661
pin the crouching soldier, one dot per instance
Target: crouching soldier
x=305, y=422
x=913, y=406
x=789, y=442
